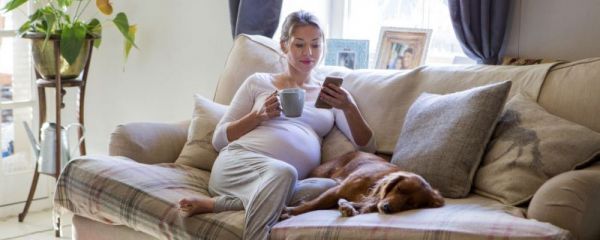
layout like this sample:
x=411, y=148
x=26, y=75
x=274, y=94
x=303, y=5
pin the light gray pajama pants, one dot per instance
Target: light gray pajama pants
x=245, y=180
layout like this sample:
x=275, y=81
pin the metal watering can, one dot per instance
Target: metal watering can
x=45, y=150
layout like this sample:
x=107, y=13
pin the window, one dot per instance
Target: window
x=363, y=19
x=362, y=15
x=15, y=85
x=16, y=106
x=321, y=9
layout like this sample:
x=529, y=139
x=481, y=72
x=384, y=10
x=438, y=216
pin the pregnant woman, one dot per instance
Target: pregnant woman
x=263, y=153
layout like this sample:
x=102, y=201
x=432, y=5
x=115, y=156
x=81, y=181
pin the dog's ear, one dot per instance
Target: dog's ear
x=409, y=186
x=375, y=191
x=386, y=184
x=394, y=179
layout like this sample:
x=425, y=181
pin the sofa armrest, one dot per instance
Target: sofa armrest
x=570, y=201
x=149, y=142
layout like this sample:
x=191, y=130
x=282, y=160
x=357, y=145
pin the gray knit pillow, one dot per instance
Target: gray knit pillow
x=444, y=136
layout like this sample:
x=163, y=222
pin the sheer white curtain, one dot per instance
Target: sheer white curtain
x=16, y=106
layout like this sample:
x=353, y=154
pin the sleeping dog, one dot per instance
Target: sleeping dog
x=368, y=183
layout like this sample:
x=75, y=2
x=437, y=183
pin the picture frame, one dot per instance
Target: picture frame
x=350, y=53
x=402, y=48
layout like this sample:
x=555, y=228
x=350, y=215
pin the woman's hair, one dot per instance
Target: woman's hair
x=296, y=19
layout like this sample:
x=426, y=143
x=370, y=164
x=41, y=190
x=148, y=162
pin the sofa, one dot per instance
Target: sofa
x=132, y=192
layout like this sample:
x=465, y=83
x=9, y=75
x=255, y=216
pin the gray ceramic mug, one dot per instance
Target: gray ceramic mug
x=291, y=101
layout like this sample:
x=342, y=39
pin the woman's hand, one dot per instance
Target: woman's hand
x=337, y=97
x=251, y=120
x=270, y=108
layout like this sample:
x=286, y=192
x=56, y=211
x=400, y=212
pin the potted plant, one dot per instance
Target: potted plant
x=62, y=20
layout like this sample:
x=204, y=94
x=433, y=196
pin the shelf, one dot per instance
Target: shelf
x=64, y=83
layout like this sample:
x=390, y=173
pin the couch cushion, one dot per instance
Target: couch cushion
x=384, y=96
x=198, y=150
x=574, y=84
x=529, y=147
x=335, y=144
x=149, y=142
x=250, y=54
x=469, y=218
x=570, y=201
x=120, y=191
x=444, y=136
x=375, y=90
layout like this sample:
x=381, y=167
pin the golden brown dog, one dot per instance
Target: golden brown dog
x=369, y=183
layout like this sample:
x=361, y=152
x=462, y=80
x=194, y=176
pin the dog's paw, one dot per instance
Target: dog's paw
x=284, y=216
x=286, y=212
x=346, y=209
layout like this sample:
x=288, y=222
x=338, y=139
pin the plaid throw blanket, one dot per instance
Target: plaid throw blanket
x=120, y=191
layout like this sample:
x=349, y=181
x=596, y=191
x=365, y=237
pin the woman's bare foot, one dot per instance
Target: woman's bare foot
x=196, y=205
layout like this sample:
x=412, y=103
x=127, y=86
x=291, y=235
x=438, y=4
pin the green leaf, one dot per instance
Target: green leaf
x=36, y=15
x=25, y=27
x=71, y=41
x=50, y=20
x=123, y=25
x=97, y=42
x=12, y=4
x=131, y=34
x=94, y=27
x=64, y=3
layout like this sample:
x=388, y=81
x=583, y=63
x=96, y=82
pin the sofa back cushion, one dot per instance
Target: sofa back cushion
x=572, y=91
x=383, y=96
x=250, y=54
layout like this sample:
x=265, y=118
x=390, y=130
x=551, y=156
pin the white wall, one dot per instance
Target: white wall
x=183, y=46
x=554, y=29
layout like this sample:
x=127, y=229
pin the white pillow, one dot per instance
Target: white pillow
x=198, y=150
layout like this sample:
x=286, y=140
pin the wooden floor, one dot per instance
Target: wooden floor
x=37, y=226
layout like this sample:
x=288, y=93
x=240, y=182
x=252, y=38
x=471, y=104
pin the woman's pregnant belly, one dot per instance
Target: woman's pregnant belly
x=288, y=141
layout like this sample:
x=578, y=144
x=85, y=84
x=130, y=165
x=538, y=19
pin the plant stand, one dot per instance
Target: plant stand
x=59, y=85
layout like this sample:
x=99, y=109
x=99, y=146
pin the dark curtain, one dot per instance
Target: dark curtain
x=480, y=26
x=259, y=17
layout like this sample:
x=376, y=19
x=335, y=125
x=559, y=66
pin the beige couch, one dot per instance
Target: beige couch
x=134, y=196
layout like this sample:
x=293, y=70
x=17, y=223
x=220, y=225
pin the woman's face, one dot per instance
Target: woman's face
x=304, y=48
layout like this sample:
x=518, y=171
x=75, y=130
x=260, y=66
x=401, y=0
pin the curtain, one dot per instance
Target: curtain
x=259, y=17
x=480, y=26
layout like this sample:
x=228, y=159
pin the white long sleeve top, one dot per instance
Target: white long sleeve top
x=296, y=141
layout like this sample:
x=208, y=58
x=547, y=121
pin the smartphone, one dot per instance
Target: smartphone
x=328, y=80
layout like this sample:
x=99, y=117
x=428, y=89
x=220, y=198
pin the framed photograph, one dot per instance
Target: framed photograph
x=353, y=54
x=402, y=48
